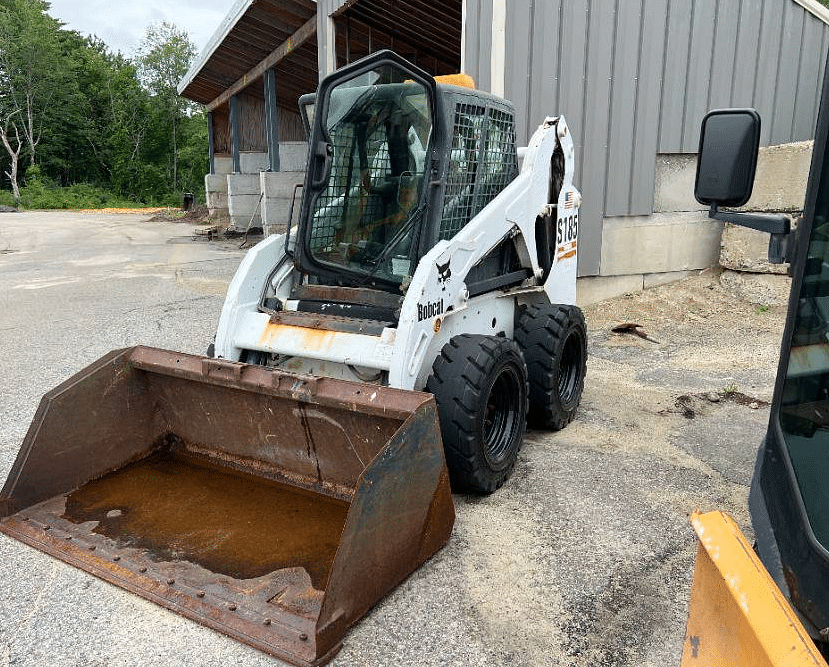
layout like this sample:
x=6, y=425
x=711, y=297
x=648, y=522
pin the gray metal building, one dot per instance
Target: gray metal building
x=633, y=78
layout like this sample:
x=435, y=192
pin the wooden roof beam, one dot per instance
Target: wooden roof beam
x=308, y=30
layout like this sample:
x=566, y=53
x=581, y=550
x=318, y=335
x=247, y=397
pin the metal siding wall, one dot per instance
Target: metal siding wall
x=478, y=41
x=635, y=77
x=472, y=38
x=519, y=81
x=622, y=104
x=805, y=116
x=677, y=46
x=648, y=95
x=485, y=44
x=787, y=71
x=574, y=44
x=767, y=59
x=724, y=45
x=746, y=55
x=698, y=73
x=545, y=72
x=593, y=157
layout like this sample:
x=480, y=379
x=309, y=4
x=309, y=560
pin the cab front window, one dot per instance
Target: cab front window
x=364, y=219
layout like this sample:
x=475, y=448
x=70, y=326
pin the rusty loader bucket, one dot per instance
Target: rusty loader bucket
x=274, y=508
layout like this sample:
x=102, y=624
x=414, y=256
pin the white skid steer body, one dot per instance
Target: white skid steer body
x=437, y=304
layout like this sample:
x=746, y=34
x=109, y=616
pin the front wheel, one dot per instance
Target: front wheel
x=553, y=340
x=480, y=386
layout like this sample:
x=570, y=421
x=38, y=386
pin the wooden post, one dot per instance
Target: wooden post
x=271, y=119
x=235, y=135
x=211, y=145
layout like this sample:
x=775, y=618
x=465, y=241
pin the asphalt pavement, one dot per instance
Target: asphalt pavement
x=584, y=557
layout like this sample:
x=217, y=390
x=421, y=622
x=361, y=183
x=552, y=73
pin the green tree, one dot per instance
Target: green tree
x=31, y=73
x=164, y=58
x=90, y=119
x=115, y=116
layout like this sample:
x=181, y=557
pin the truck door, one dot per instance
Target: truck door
x=789, y=498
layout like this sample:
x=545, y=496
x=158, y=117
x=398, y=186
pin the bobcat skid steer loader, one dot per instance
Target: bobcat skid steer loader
x=278, y=490
x=424, y=259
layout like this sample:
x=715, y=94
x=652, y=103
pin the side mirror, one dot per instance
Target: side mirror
x=728, y=145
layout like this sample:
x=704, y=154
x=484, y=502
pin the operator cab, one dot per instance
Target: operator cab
x=365, y=193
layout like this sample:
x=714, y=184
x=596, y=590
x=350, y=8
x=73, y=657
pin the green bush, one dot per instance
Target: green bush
x=6, y=198
x=37, y=194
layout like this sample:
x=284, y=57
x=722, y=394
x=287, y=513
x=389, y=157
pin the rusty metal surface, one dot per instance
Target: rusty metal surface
x=271, y=507
x=360, y=295
x=329, y=322
x=232, y=523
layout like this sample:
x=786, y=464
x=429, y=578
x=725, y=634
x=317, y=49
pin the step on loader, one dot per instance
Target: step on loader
x=280, y=486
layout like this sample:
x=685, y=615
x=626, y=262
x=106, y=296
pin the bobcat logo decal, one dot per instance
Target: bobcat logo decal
x=444, y=273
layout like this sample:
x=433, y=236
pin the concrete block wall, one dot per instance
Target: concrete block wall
x=243, y=194
x=215, y=187
x=253, y=163
x=278, y=188
x=233, y=199
x=639, y=252
x=643, y=251
x=293, y=155
x=779, y=185
x=659, y=243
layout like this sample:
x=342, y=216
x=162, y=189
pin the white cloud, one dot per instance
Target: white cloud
x=121, y=23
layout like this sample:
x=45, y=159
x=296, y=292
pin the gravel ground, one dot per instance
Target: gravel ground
x=583, y=558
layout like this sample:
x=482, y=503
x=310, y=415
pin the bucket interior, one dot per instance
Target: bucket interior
x=177, y=506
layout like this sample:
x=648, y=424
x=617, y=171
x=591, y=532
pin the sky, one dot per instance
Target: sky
x=121, y=23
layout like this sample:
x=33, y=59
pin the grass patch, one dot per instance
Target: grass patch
x=36, y=195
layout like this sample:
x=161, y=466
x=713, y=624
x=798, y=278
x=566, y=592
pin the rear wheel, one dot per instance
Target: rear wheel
x=553, y=340
x=480, y=386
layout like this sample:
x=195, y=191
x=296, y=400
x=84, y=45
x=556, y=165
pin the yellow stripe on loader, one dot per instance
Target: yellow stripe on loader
x=737, y=616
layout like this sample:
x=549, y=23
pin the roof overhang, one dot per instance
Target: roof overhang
x=815, y=8
x=425, y=32
x=256, y=35
x=259, y=34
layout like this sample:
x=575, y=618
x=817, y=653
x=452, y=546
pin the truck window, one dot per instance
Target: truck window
x=804, y=409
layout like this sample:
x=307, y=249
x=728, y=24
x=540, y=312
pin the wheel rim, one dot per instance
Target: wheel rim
x=570, y=369
x=502, y=416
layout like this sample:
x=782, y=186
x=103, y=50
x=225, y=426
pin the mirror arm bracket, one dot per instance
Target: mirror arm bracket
x=772, y=223
x=776, y=224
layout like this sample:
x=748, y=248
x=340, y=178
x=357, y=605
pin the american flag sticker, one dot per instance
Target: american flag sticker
x=569, y=199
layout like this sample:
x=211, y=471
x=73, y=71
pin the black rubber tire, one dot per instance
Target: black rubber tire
x=553, y=340
x=480, y=386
